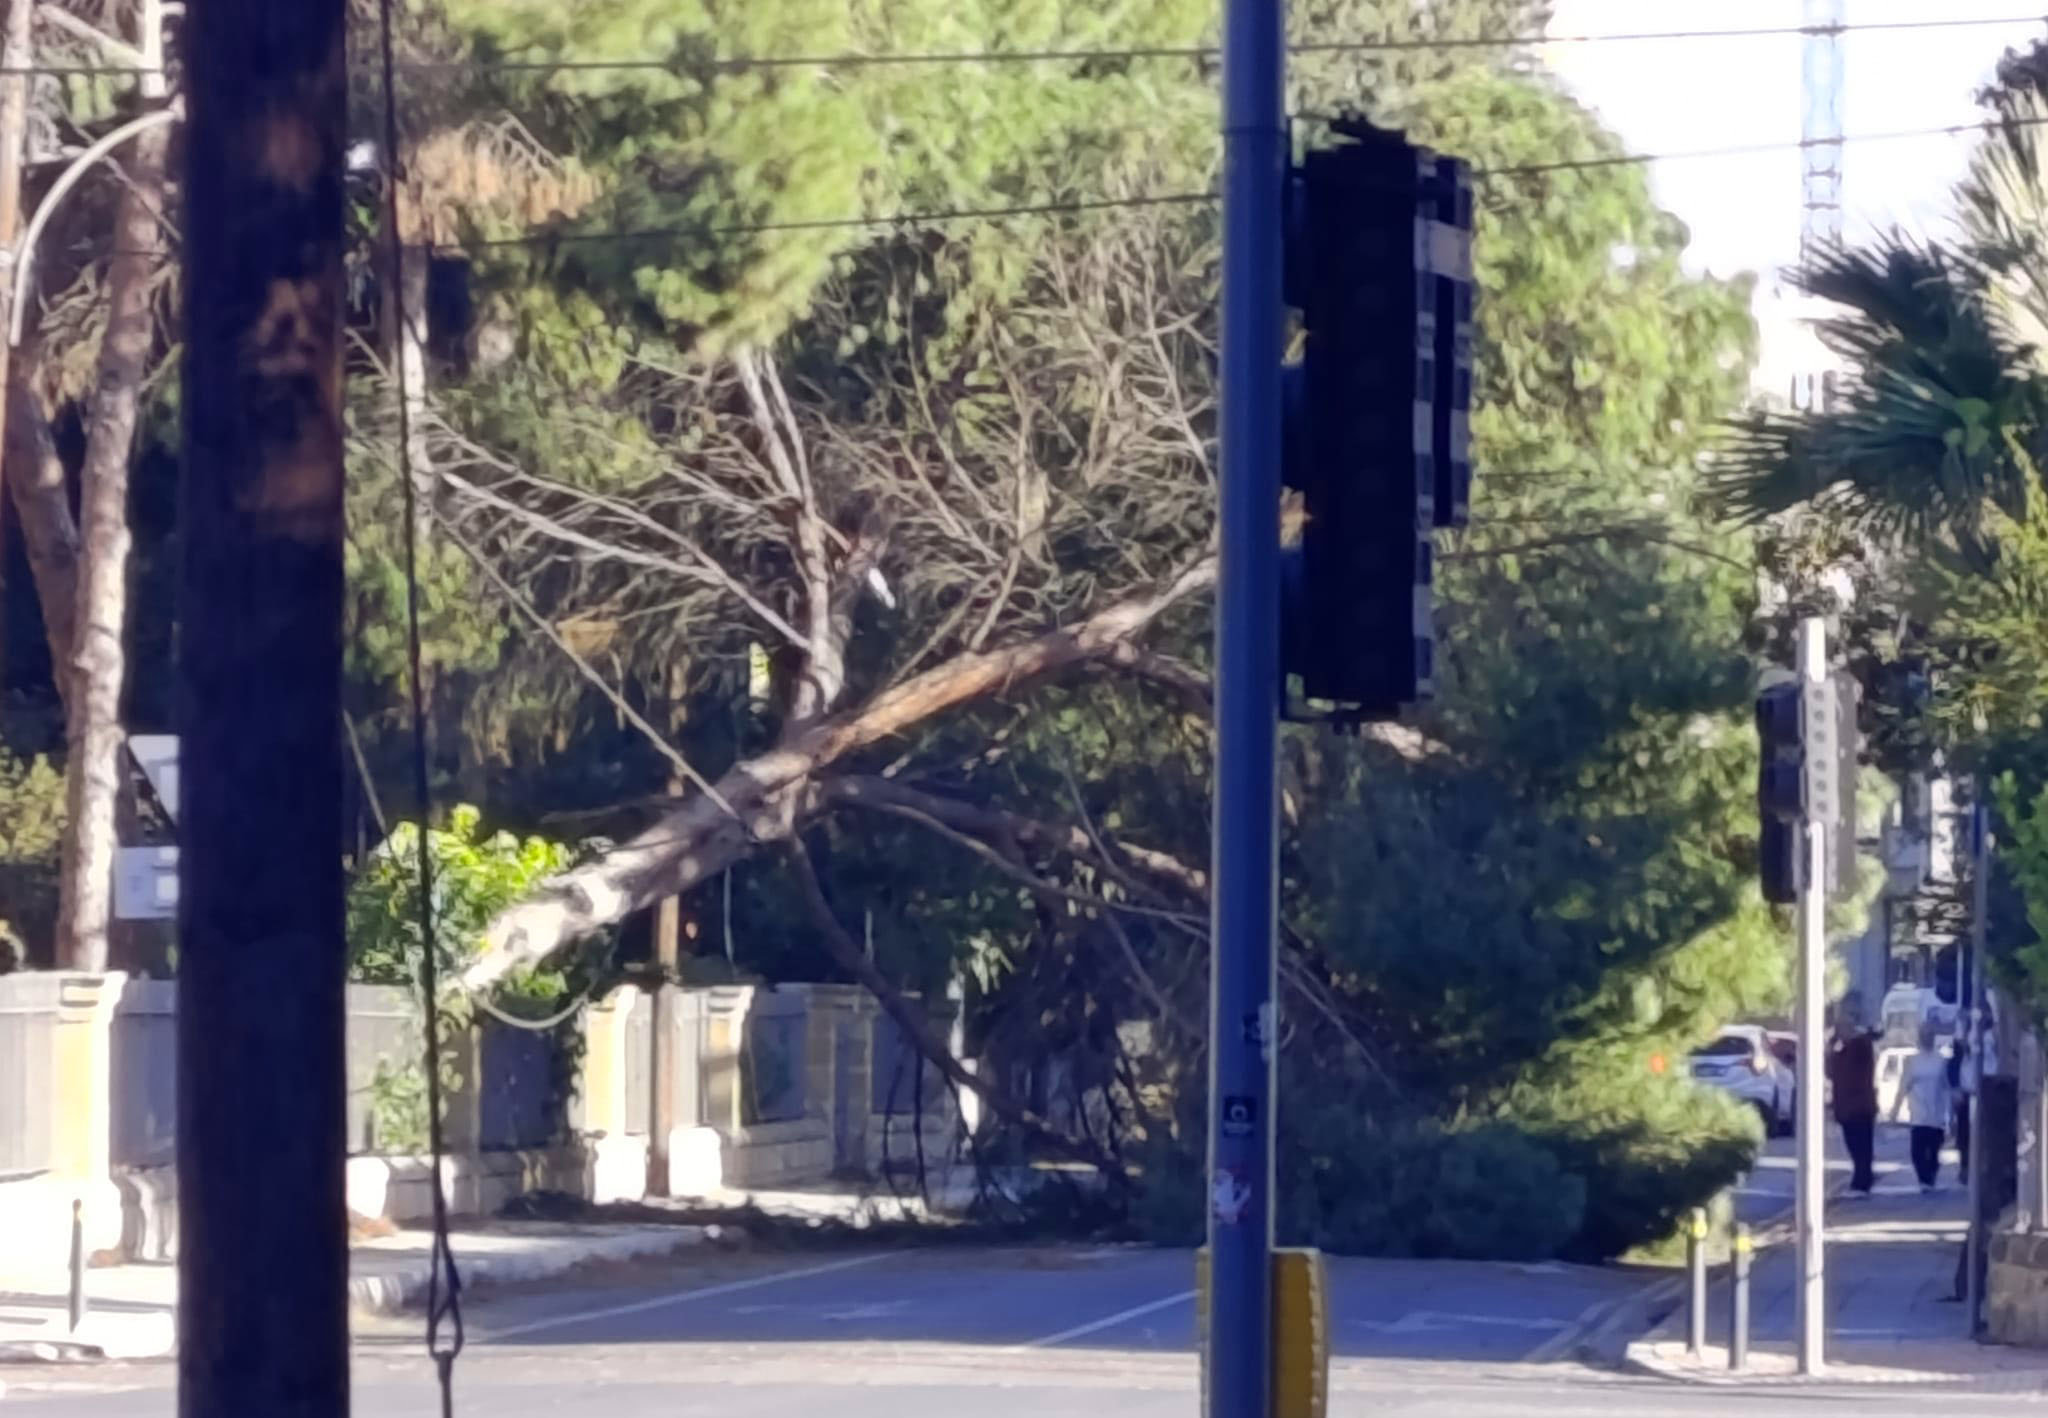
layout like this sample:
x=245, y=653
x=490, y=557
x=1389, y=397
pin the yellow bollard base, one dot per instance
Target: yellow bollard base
x=1301, y=1332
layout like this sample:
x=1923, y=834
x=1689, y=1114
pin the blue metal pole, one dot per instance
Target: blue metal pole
x=1246, y=842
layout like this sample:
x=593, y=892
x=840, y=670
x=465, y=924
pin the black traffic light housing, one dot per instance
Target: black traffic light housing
x=1376, y=414
x=1781, y=792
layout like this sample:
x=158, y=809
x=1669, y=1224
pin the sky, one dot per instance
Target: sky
x=1669, y=96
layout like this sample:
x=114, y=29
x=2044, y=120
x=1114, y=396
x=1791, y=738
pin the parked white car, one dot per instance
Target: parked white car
x=1743, y=1062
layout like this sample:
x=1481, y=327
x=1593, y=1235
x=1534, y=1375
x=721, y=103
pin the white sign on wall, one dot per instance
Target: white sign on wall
x=146, y=883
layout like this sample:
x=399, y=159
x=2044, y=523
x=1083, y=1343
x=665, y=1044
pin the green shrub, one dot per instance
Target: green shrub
x=474, y=876
x=1355, y=1186
x=1648, y=1146
x=31, y=834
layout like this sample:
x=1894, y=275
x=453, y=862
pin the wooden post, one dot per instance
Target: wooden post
x=664, y=1066
x=263, y=1240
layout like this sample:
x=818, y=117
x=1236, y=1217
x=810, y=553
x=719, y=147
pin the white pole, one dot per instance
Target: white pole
x=1813, y=899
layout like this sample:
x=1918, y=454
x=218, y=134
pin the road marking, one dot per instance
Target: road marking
x=1561, y=1343
x=678, y=1297
x=1080, y=1331
x=1433, y=1321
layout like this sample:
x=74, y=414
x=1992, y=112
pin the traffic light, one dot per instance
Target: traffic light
x=1451, y=253
x=1781, y=791
x=1380, y=266
x=1806, y=774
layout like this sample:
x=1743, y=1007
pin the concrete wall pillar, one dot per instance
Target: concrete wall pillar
x=604, y=1061
x=83, y=1049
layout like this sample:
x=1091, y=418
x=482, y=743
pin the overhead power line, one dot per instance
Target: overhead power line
x=1202, y=53
x=1132, y=53
x=947, y=215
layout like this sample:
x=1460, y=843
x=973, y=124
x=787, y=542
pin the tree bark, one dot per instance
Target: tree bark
x=37, y=486
x=262, y=963
x=765, y=798
x=97, y=665
x=17, y=57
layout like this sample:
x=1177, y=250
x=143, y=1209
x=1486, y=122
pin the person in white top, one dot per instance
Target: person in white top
x=1925, y=1103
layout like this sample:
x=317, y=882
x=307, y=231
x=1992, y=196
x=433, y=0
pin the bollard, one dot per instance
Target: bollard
x=1738, y=1302
x=77, y=1264
x=1696, y=1265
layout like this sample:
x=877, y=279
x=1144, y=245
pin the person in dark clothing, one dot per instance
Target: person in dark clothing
x=1852, y=1076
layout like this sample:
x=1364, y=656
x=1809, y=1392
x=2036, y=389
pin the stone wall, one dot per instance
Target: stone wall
x=2016, y=1301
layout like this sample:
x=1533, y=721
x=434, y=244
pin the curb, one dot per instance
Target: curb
x=400, y=1290
x=391, y=1293
x=1608, y=1343
x=44, y=1351
x=1636, y=1357
x=1644, y=1365
x=1612, y=1342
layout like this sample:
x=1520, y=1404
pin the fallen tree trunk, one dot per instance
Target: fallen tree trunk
x=766, y=798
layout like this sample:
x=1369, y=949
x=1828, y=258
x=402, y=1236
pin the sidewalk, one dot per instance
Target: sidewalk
x=131, y=1309
x=1891, y=1264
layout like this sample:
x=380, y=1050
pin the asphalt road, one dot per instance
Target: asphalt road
x=990, y=1334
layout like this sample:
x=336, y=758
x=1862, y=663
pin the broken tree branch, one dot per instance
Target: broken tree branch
x=918, y=1029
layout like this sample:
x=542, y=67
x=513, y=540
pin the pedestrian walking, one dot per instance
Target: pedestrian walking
x=1852, y=1078
x=1923, y=1104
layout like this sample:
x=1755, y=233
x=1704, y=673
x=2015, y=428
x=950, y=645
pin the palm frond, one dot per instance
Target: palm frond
x=1940, y=419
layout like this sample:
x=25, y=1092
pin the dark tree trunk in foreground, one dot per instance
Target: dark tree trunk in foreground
x=263, y=1246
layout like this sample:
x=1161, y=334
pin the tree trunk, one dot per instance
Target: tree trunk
x=36, y=485
x=17, y=57
x=97, y=666
x=765, y=798
x=406, y=349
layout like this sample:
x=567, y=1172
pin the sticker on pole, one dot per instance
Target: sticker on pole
x=1229, y=1198
x=1239, y=1114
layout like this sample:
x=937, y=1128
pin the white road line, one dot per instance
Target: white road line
x=1560, y=1344
x=1108, y=1322
x=678, y=1297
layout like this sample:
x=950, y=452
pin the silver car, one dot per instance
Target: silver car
x=1743, y=1062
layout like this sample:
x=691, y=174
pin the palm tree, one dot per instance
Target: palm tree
x=1945, y=413
x=1942, y=416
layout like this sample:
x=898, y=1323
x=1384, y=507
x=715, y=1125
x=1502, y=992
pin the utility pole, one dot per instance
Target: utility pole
x=665, y=1093
x=1246, y=842
x=1812, y=907
x=263, y=1241
x=1980, y=905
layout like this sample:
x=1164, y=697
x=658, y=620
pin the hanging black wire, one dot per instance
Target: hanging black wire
x=444, y=1281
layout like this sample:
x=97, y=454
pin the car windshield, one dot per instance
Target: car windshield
x=1728, y=1046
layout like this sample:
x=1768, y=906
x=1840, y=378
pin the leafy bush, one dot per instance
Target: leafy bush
x=31, y=832
x=474, y=877
x=1353, y=1185
x=2022, y=964
x=1648, y=1146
